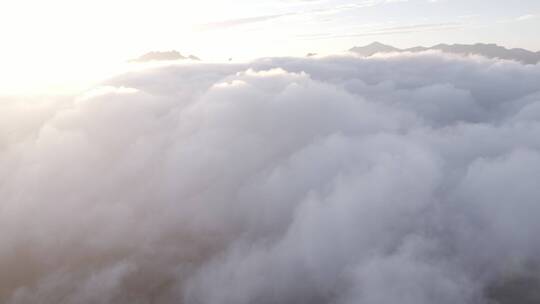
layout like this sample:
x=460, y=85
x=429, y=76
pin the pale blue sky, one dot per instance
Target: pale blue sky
x=333, y=25
x=68, y=39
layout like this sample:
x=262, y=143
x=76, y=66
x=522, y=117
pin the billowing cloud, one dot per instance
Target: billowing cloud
x=405, y=178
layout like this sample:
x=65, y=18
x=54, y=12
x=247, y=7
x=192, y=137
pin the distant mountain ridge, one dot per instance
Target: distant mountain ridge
x=164, y=56
x=482, y=49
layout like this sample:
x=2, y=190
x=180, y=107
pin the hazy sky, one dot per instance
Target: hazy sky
x=46, y=43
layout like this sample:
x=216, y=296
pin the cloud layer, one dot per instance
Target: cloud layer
x=392, y=179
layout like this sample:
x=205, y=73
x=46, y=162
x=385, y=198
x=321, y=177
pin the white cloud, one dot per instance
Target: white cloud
x=406, y=178
x=525, y=17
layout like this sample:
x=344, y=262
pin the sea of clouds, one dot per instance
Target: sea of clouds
x=410, y=179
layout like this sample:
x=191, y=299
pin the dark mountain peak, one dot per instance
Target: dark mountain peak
x=163, y=56
x=373, y=48
x=487, y=44
x=378, y=44
x=441, y=45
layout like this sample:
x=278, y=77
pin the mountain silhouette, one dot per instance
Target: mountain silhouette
x=482, y=49
x=163, y=56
